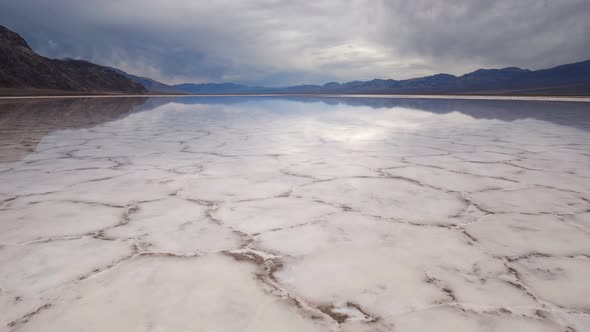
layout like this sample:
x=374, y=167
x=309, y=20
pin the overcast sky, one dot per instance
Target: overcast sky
x=286, y=42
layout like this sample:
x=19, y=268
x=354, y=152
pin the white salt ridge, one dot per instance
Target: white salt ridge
x=559, y=280
x=176, y=226
x=271, y=214
x=198, y=292
x=515, y=235
x=33, y=222
x=388, y=198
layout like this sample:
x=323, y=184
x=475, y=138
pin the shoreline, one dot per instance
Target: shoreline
x=390, y=96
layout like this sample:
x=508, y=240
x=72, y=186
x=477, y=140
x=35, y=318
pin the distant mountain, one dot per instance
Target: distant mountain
x=215, y=88
x=22, y=68
x=150, y=84
x=570, y=79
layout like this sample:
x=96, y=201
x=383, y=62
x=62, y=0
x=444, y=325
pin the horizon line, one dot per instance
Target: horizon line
x=581, y=98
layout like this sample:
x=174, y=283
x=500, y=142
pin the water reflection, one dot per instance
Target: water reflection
x=574, y=114
x=24, y=123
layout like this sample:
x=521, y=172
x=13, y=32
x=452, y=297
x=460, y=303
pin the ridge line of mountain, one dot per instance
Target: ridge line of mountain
x=21, y=69
x=569, y=79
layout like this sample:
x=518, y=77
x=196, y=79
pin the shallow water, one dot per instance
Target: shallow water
x=294, y=214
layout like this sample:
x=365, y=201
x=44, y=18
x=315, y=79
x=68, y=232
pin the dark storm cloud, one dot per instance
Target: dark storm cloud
x=527, y=33
x=274, y=42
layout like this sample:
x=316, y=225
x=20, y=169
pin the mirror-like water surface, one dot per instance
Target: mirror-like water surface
x=294, y=214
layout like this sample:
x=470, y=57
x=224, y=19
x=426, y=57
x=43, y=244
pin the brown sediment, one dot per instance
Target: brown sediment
x=266, y=276
x=446, y=290
x=245, y=256
x=329, y=310
x=270, y=265
x=449, y=292
x=28, y=316
x=367, y=315
x=471, y=237
x=431, y=280
x=518, y=284
x=126, y=217
x=273, y=266
x=541, y=314
x=529, y=255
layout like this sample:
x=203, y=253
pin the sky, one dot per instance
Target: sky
x=288, y=42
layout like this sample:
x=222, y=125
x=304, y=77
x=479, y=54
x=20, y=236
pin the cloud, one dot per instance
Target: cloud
x=281, y=42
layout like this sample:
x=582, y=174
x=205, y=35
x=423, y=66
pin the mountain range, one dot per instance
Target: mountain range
x=21, y=69
x=569, y=79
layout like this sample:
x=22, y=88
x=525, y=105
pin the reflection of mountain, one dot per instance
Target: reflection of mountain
x=573, y=114
x=23, y=123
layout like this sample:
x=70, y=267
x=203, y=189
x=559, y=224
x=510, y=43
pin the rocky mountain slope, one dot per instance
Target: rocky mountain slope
x=22, y=68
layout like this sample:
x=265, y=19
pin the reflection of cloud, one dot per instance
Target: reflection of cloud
x=351, y=135
x=292, y=42
x=365, y=124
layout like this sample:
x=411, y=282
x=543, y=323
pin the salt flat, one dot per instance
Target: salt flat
x=294, y=214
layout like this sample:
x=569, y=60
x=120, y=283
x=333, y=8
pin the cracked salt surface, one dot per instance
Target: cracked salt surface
x=294, y=214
